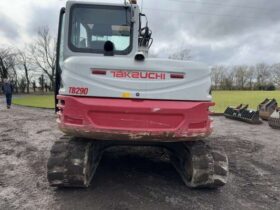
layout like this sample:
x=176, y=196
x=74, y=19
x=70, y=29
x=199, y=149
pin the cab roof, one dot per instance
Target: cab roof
x=71, y=2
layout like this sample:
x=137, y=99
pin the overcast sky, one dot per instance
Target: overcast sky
x=216, y=31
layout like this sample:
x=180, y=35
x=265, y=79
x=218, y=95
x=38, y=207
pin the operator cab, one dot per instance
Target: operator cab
x=88, y=27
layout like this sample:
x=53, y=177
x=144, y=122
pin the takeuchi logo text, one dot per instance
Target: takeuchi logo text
x=138, y=75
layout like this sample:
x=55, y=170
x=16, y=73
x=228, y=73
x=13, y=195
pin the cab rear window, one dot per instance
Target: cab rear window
x=92, y=25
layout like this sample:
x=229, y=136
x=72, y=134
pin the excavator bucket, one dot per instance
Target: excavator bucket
x=242, y=113
x=274, y=120
x=266, y=108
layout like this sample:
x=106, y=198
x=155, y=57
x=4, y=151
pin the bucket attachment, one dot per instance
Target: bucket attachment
x=274, y=120
x=242, y=113
x=266, y=108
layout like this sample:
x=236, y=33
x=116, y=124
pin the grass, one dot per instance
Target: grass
x=234, y=98
x=43, y=101
x=221, y=98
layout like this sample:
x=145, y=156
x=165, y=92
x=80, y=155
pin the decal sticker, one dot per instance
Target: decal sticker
x=139, y=75
x=78, y=91
x=127, y=95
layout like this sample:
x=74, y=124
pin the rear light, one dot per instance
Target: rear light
x=177, y=76
x=99, y=72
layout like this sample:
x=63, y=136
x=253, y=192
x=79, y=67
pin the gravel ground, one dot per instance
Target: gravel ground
x=127, y=179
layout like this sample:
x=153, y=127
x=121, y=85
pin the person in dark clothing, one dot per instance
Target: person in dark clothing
x=7, y=89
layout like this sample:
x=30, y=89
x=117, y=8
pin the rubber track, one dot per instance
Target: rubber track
x=199, y=165
x=72, y=162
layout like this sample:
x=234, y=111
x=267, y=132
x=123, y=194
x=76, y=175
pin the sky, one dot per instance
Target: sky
x=227, y=32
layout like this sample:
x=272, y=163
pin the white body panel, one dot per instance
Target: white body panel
x=77, y=73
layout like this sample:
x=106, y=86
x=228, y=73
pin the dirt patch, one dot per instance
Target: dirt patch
x=141, y=178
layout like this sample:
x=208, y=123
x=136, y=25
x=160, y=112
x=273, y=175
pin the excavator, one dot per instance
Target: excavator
x=110, y=93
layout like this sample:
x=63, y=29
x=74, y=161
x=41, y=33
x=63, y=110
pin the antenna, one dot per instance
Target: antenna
x=142, y=2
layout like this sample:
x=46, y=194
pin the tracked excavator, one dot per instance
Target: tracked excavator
x=110, y=93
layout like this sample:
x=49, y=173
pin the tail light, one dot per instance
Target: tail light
x=177, y=76
x=99, y=72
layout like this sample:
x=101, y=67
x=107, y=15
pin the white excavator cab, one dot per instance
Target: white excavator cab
x=104, y=53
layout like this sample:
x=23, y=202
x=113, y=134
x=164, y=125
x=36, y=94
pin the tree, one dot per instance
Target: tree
x=44, y=53
x=251, y=77
x=227, y=80
x=263, y=75
x=25, y=62
x=22, y=85
x=181, y=55
x=42, y=82
x=217, y=74
x=276, y=73
x=241, y=76
x=34, y=86
x=14, y=77
x=7, y=62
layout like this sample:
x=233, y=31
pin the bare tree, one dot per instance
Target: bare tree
x=227, y=81
x=241, y=76
x=181, y=55
x=251, y=76
x=276, y=74
x=34, y=86
x=263, y=74
x=217, y=74
x=22, y=85
x=44, y=53
x=13, y=75
x=7, y=62
x=42, y=82
x=25, y=62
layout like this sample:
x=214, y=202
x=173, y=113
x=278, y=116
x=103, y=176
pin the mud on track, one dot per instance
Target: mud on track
x=139, y=178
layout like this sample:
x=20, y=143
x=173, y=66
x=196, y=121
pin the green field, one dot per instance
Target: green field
x=234, y=98
x=221, y=98
x=44, y=101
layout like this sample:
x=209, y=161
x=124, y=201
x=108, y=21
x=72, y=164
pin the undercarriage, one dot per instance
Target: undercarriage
x=73, y=161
